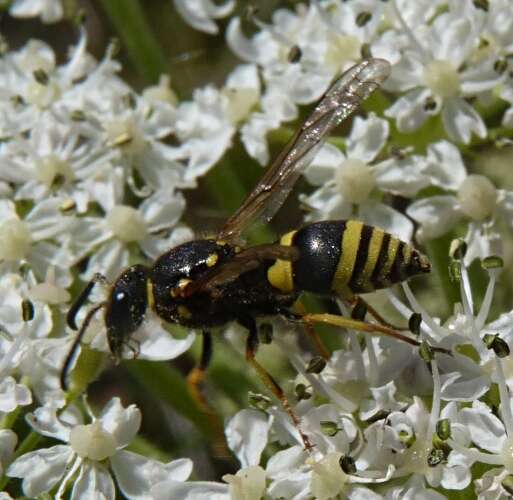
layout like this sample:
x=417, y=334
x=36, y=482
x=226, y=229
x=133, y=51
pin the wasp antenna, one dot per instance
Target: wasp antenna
x=78, y=339
x=81, y=299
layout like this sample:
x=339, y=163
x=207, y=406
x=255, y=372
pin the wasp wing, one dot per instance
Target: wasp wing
x=246, y=260
x=340, y=100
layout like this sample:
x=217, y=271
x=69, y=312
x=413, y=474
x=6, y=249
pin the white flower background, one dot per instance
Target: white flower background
x=113, y=151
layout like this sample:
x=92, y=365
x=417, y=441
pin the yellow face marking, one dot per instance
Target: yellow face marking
x=184, y=312
x=177, y=290
x=280, y=273
x=372, y=258
x=149, y=293
x=212, y=259
x=393, y=245
x=350, y=243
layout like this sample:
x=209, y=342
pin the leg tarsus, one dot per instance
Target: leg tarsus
x=251, y=350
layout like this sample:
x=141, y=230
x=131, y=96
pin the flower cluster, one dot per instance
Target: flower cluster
x=94, y=177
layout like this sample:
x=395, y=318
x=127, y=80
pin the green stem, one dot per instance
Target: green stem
x=135, y=32
x=9, y=419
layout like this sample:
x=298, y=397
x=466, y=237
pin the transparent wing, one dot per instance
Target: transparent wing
x=248, y=259
x=340, y=100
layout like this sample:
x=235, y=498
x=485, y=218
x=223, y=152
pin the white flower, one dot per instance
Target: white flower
x=56, y=160
x=438, y=71
x=299, y=54
x=151, y=226
x=347, y=180
x=49, y=11
x=475, y=199
x=200, y=13
x=34, y=238
x=90, y=451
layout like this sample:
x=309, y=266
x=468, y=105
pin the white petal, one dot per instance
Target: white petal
x=242, y=46
x=409, y=110
x=461, y=120
x=486, y=430
x=286, y=461
x=156, y=343
x=403, y=177
x=136, y=474
x=44, y=421
x=42, y=469
x=122, y=422
x=13, y=395
x=109, y=260
x=456, y=387
x=162, y=209
x=479, y=78
x=198, y=13
x=445, y=166
x=192, y=490
x=385, y=217
x=367, y=138
x=436, y=215
x=246, y=434
x=94, y=481
x=456, y=475
x=323, y=166
x=253, y=136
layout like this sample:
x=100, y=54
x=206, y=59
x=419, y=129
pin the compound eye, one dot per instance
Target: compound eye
x=179, y=289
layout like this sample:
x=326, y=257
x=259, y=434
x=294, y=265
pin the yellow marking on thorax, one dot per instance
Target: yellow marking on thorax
x=178, y=289
x=280, y=273
x=374, y=249
x=393, y=245
x=212, y=260
x=149, y=293
x=350, y=243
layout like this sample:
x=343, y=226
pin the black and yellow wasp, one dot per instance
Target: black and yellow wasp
x=206, y=283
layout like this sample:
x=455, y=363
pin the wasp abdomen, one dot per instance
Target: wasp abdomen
x=345, y=257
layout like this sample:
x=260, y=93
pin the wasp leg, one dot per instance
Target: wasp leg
x=362, y=326
x=81, y=299
x=135, y=346
x=251, y=350
x=194, y=381
x=357, y=301
x=310, y=331
x=76, y=343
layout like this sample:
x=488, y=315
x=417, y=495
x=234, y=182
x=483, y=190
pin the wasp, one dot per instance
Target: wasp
x=207, y=283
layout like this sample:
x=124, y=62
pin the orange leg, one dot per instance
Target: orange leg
x=194, y=380
x=310, y=331
x=362, y=326
x=267, y=379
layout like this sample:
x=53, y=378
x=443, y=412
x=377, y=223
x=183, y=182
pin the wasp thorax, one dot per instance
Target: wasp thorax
x=477, y=197
x=355, y=180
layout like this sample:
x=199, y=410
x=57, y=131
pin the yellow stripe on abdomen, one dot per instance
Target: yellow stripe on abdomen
x=384, y=272
x=280, y=273
x=349, y=244
x=372, y=258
